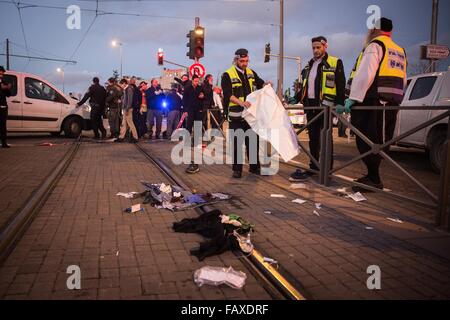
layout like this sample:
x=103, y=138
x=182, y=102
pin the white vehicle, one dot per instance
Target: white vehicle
x=432, y=89
x=298, y=117
x=36, y=105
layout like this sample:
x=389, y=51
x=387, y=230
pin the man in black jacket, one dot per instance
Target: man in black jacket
x=5, y=91
x=237, y=83
x=174, y=102
x=193, y=105
x=96, y=95
x=323, y=85
x=155, y=97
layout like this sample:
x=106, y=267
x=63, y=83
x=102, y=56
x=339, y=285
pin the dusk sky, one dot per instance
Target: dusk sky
x=229, y=25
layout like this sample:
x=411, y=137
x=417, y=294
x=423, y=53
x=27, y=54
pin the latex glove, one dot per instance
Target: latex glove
x=340, y=109
x=349, y=103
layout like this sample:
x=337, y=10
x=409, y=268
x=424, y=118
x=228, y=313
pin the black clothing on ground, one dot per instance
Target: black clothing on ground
x=210, y=226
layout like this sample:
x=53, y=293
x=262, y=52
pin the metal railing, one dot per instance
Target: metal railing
x=440, y=201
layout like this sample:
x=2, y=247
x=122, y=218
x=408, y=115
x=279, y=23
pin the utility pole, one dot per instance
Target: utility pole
x=7, y=54
x=280, y=59
x=434, y=27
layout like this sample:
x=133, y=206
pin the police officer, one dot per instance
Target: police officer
x=378, y=79
x=5, y=91
x=237, y=83
x=323, y=85
x=96, y=95
x=114, y=102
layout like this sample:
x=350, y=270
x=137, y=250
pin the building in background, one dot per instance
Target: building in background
x=168, y=76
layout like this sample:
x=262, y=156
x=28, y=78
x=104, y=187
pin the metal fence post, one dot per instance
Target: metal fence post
x=323, y=145
x=442, y=217
x=328, y=145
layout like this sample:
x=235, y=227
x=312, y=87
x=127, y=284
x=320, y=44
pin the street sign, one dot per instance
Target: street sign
x=435, y=52
x=197, y=69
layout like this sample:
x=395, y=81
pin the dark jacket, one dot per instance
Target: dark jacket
x=4, y=93
x=340, y=82
x=191, y=100
x=208, y=100
x=173, y=102
x=182, y=84
x=154, y=100
x=137, y=98
x=96, y=95
x=114, y=96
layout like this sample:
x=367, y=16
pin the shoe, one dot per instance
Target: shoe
x=300, y=175
x=193, y=168
x=132, y=140
x=6, y=146
x=237, y=174
x=256, y=171
x=367, y=181
x=96, y=138
x=104, y=135
x=118, y=140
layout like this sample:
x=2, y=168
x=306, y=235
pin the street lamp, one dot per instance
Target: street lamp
x=116, y=43
x=60, y=70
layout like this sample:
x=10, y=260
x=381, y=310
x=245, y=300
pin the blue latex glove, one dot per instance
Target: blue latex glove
x=349, y=103
x=340, y=109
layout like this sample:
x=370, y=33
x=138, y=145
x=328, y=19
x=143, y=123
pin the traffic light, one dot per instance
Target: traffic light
x=199, y=42
x=267, y=53
x=191, y=44
x=160, y=58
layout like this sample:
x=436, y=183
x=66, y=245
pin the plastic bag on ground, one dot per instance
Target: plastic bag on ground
x=216, y=276
x=269, y=119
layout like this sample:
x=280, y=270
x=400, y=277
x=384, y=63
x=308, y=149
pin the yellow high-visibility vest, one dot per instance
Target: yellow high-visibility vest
x=235, y=110
x=389, y=81
x=328, y=90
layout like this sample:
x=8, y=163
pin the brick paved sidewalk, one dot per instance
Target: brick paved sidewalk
x=22, y=170
x=329, y=254
x=121, y=256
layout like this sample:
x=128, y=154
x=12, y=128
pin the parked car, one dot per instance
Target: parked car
x=433, y=90
x=36, y=105
x=298, y=117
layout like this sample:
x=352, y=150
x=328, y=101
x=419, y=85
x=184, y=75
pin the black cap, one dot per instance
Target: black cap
x=241, y=53
x=385, y=24
x=2, y=69
x=319, y=39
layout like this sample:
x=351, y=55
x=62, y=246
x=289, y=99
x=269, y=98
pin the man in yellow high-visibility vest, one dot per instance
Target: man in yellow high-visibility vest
x=378, y=79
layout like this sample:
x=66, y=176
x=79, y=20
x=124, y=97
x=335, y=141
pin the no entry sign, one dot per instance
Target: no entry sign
x=197, y=69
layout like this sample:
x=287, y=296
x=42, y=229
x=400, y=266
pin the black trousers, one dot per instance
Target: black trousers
x=314, y=131
x=3, y=117
x=194, y=115
x=370, y=123
x=237, y=147
x=97, y=122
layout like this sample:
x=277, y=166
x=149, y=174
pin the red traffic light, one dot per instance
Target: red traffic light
x=160, y=58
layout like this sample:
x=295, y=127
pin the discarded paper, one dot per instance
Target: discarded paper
x=316, y=213
x=135, y=208
x=298, y=186
x=318, y=206
x=277, y=196
x=395, y=220
x=216, y=276
x=299, y=201
x=358, y=197
x=128, y=195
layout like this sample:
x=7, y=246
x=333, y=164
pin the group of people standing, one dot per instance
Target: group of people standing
x=138, y=109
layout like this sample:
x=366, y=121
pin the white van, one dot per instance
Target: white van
x=36, y=105
x=432, y=89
